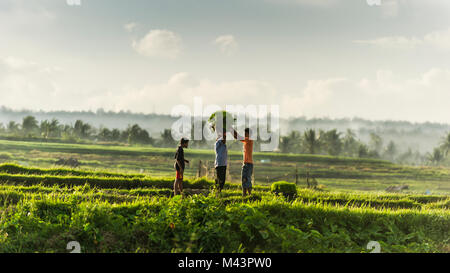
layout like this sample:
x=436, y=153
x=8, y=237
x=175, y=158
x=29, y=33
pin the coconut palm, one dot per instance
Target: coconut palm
x=445, y=146
x=391, y=151
x=436, y=157
x=311, y=141
x=13, y=127
x=29, y=124
x=167, y=139
x=332, y=142
x=45, y=128
x=290, y=143
x=363, y=151
x=82, y=130
x=376, y=142
x=350, y=144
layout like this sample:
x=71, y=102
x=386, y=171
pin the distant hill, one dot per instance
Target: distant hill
x=422, y=137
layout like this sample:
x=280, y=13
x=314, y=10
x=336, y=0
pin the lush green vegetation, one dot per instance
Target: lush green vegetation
x=120, y=199
x=288, y=190
x=44, y=219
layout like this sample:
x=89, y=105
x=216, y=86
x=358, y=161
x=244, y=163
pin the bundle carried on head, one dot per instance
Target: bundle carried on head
x=221, y=120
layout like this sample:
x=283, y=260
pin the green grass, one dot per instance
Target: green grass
x=17, y=169
x=334, y=173
x=43, y=217
x=121, y=200
x=149, y=151
x=120, y=222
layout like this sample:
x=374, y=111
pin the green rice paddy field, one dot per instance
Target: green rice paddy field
x=120, y=200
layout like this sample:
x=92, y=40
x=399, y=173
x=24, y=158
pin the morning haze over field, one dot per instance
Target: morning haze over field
x=91, y=93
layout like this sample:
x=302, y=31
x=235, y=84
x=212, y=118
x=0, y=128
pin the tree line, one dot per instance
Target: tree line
x=310, y=141
x=332, y=142
x=53, y=129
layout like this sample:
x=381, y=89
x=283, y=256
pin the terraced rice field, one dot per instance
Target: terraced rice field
x=41, y=210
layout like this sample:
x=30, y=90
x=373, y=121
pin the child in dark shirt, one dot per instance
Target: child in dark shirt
x=179, y=166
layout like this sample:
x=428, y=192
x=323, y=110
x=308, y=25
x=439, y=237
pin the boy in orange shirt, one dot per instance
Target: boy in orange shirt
x=247, y=167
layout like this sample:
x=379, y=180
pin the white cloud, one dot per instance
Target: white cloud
x=386, y=96
x=397, y=42
x=438, y=39
x=12, y=64
x=227, y=44
x=183, y=79
x=181, y=88
x=390, y=8
x=15, y=63
x=316, y=3
x=30, y=90
x=383, y=96
x=159, y=43
x=22, y=15
x=130, y=27
x=28, y=84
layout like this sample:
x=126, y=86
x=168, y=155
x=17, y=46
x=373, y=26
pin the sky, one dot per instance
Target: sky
x=314, y=58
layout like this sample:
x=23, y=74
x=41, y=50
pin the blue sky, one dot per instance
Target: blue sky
x=335, y=58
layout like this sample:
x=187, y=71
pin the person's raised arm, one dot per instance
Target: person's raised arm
x=235, y=134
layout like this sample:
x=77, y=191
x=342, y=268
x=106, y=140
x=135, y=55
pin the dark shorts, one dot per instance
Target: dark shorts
x=221, y=172
x=247, y=171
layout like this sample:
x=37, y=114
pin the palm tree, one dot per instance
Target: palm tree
x=54, y=128
x=376, y=142
x=115, y=135
x=445, y=146
x=13, y=127
x=285, y=144
x=436, y=157
x=311, y=141
x=290, y=143
x=45, y=128
x=332, y=142
x=167, y=139
x=363, y=151
x=29, y=124
x=82, y=130
x=391, y=151
x=105, y=134
x=350, y=145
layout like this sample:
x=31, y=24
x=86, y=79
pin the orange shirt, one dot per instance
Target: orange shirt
x=248, y=150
